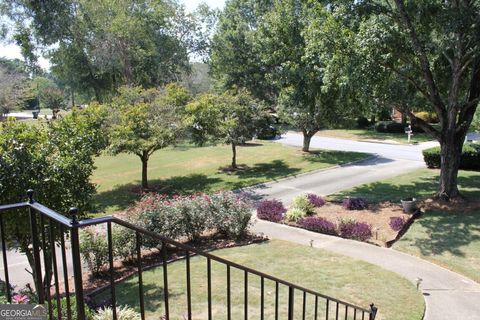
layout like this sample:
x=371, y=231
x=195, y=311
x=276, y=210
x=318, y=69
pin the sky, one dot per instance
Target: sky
x=12, y=51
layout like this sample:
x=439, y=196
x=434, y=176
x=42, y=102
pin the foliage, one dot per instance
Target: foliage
x=469, y=159
x=192, y=216
x=52, y=98
x=94, y=249
x=231, y=118
x=303, y=203
x=295, y=214
x=352, y=229
x=145, y=121
x=389, y=127
x=397, y=223
x=363, y=122
x=429, y=117
x=14, y=85
x=73, y=308
x=271, y=210
x=355, y=203
x=318, y=224
x=123, y=313
x=315, y=200
x=124, y=243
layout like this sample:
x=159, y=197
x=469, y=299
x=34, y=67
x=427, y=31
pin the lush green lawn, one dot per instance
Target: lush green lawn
x=419, y=184
x=368, y=134
x=448, y=238
x=335, y=275
x=188, y=169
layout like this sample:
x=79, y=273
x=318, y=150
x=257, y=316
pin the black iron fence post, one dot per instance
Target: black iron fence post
x=36, y=251
x=373, y=312
x=77, y=265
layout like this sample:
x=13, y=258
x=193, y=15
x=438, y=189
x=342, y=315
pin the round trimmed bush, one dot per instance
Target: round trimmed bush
x=295, y=214
x=303, y=203
x=318, y=224
x=352, y=229
x=315, y=200
x=271, y=210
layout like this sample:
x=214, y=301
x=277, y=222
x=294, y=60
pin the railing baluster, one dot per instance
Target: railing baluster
x=354, y=313
x=326, y=309
x=65, y=272
x=189, y=288
x=262, y=298
x=5, y=262
x=111, y=270
x=276, y=300
x=346, y=312
x=36, y=251
x=77, y=265
x=55, y=267
x=304, y=305
x=363, y=315
x=291, y=302
x=140, y=276
x=229, y=301
x=46, y=263
x=165, y=280
x=209, y=288
x=316, y=307
x=245, y=291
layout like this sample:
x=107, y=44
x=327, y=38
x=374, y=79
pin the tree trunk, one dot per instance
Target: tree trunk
x=307, y=137
x=451, y=150
x=73, y=98
x=234, y=156
x=144, y=159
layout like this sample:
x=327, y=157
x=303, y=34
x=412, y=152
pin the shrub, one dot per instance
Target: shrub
x=231, y=214
x=295, y=214
x=355, y=203
x=195, y=219
x=124, y=243
x=315, y=200
x=469, y=160
x=303, y=203
x=389, y=127
x=271, y=210
x=363, y=122
x=123, y=313
x=352, y=229
x=318, y=224
x=397, y=223
x=94, y=249
x=73, y=308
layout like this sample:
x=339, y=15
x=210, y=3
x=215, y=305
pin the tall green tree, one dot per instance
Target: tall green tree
x=434, y=47
x=231, y=118
x=147, y=120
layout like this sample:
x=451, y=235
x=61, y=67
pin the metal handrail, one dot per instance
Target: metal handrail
x=73, y=225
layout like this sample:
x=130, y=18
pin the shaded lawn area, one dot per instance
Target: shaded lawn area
x=331, y=274
x=419, y=184
x=186, y=169
x=370, y=134
x=448, y=238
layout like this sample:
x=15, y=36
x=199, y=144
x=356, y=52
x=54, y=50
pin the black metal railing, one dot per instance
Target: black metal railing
x=273, y=297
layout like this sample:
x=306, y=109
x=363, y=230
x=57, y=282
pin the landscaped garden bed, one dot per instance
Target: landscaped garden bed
x=353, y=218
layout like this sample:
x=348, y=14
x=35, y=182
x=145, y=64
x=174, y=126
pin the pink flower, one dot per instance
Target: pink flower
x=21, y=299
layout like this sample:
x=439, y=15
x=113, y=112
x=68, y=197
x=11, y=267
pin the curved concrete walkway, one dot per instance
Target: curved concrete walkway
x=448, y=295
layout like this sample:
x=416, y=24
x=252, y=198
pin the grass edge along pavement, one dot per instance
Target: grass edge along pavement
x=186, y=169
x=332, y=274
x=449, y=238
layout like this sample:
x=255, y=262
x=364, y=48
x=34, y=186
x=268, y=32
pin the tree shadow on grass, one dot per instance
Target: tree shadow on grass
x=448, y=232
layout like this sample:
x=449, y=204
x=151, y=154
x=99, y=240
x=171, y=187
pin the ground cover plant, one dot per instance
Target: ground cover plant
x=186, y=169
x=335, y=275
x=446, y=234
x=271, y=210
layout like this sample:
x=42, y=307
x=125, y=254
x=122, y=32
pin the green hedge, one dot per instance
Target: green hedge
x=390, y=127
x=470, y=159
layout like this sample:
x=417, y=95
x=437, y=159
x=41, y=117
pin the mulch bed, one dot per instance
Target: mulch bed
x=376, y=215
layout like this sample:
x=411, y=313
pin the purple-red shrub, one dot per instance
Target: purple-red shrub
x=397, y=223
x=271, y=210
x=318, y=224
x=355, y=230
x=355, y=203
x=315, y=200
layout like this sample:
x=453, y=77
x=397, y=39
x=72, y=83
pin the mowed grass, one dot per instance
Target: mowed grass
x=370, y=134
x=338, y=276
x=419, y=184
x=187, y=169
x=448, y=238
